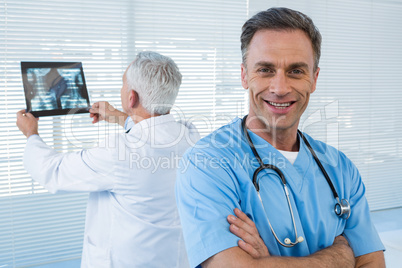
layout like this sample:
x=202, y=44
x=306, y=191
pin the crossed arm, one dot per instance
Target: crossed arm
x=252, y=252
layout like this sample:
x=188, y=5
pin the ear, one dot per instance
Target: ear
x=133, y=99
x=244, y=81
x=315, y=80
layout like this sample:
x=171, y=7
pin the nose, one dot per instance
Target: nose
x=279, y=85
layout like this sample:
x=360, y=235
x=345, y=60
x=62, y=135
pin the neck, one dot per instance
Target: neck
x=141, y=114
x=281, y=139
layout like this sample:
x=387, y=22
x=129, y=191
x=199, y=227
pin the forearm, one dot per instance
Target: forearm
x=371, y=260
x=36, y=160
x=76, y=171
x=337, y=255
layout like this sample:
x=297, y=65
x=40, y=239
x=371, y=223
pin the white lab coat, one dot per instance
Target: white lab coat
x=132, y=219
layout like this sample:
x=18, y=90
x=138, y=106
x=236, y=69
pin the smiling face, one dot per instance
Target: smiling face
x=280, y=76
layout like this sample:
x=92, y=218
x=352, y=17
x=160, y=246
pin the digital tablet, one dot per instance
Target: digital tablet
x=54, y=88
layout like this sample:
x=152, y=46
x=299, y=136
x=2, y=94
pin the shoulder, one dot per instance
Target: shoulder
x=163, y=131
x=328, y=153
x=215, y=159
x=222, y=142
x=337, y=164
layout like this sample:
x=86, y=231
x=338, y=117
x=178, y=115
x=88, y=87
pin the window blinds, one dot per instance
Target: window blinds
x=356, y=106
x=202, y=37
x=37, y=227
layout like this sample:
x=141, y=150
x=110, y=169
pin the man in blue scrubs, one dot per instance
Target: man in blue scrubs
x=281, y=51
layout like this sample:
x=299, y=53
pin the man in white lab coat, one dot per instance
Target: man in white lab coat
x=132, y=219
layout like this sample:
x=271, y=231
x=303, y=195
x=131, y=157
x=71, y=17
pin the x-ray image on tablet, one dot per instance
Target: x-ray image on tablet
x=54, y=88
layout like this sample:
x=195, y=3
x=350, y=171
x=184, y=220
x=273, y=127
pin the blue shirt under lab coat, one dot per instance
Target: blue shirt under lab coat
x=215, y=177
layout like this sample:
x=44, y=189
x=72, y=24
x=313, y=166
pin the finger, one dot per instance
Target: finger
x=234, y=220
x=241, y=215
x=250, y=228
x=248, y=248
x=95, y=119
x=91, y=114
x=244, y=235
x=255, y=252
x=20, y=113
x=95, y=105
x=94, y=110
x=239, y=223
x=29, y=115
x=239, y=232
x=251, y=225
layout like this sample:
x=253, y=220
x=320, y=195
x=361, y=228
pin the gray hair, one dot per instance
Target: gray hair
x=156, y=79
x=281, y=19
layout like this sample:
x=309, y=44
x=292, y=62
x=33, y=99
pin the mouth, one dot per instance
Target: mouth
x=278, y=105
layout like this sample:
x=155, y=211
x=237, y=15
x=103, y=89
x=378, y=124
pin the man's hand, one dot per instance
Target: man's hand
x=27, y=123
x=102, y=110
x=245, y=229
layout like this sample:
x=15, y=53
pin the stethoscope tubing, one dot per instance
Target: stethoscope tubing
x=264, y=166
x=342, y=207
x=331, y=185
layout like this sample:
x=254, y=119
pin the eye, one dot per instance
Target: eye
x=296, y=71
x=265, y=70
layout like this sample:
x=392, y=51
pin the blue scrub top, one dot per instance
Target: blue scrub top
x=215, y=176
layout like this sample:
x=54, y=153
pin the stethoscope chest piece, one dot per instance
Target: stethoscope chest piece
x=342, y=208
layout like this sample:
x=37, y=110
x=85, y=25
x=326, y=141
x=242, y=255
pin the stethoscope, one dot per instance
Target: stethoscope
x=342, y=207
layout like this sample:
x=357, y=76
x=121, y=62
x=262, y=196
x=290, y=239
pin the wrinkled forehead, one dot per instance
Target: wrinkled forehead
x=280, y=45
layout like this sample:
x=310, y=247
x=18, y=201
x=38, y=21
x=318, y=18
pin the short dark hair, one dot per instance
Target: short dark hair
x=280, y=18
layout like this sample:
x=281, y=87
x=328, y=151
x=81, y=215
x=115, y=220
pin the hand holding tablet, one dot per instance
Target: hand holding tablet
x=27, y=123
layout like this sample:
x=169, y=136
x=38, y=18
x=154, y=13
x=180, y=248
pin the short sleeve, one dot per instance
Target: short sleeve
x=360, y=230
x=206, y=194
